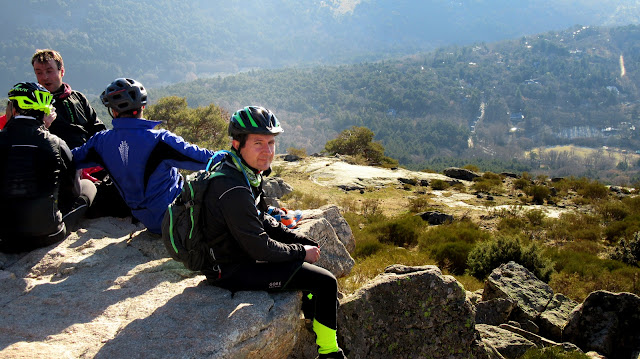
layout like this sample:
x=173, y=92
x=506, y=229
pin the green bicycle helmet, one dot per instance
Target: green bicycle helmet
x=31, y=98
x=124, y=95
x=254, y=119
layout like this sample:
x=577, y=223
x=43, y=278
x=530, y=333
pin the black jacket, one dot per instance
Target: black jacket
x=76, y=120
x=238, y=229
x=36, y=177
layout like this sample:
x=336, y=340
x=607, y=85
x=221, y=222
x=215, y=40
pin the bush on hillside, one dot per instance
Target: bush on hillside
x=204, y=126
x=628, y=251
x=358, y=141
x=402, y=232
x=487, y=256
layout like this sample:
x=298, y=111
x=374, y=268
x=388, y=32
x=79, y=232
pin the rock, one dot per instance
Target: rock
x=334, y=256
x=332, y=214
x=513, y=281
x=435, y=218
x=276, y=187
x=494, y=311
x=110, y=291
x=409, y=181
x=509, y=344
x=534, y=338
x=608, y=323
x=555, y=316
x=408, y=312
x=460, y=173
x=291, y=158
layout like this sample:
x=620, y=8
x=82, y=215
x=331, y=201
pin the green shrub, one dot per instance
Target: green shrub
x=463, y=231
x=402, y=232
x=418, y=204
x=628, y=251
x=593, y=190
x=300, y=152
x=539, y=193
x=521, y=183
x=573, y=226
x=487, y=256
x=452, y=256
x=612, y=210
x=370, y=209
x=439, y=185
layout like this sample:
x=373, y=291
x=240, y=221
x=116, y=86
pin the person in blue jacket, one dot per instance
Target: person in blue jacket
x=142, y=162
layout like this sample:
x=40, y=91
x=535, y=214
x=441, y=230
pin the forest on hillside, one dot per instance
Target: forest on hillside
x=494, y=100
x=160, y=42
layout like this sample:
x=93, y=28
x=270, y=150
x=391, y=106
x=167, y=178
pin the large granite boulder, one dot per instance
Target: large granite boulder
x=509, y=344
x=332, y=214
x=333, y=255
x=513, y=281
x=460, y=173
x=536, y=304
x=409, y=312
x=608, y=323
x=110, y=291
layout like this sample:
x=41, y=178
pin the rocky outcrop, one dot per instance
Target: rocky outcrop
x=332, y=214
x=535, y=300
x=409, y=312
x=516, y=301
x=435, y=218
x=275, y=188
x=110, y=291
x=608, y=323
x=460, y=173
x=334, y=256
x=507, y=343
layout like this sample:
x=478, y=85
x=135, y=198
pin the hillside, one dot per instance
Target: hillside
x=167, y=41
x=489, y=101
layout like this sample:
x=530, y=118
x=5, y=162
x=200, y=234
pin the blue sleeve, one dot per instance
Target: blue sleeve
x=193, y=157
x=85, y=156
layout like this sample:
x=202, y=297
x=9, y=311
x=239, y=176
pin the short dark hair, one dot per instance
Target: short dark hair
x=135, y=113
x=242, y=139
x=44, y=55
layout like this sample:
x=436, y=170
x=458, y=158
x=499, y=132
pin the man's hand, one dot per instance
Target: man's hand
x=48, y=119
x=313, y=254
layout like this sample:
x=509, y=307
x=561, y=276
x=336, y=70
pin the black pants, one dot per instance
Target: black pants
x=72, y=212
x=302, y=276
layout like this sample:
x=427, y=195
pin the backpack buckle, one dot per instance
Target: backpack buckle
x=189, y=203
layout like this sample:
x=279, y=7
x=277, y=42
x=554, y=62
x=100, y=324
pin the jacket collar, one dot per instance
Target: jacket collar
x=63, y=92
x=134, y=123
x=24, y=121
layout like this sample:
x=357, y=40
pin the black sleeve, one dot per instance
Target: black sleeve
x=94, y=124
x=241, y=216
x=69, y=175
x=278, y=230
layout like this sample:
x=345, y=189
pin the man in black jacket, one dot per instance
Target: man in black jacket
x=250, y=249
x=41, y=193
x=77, y=120
x=76, y=123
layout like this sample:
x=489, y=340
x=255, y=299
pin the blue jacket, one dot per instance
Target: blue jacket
x=143, y=163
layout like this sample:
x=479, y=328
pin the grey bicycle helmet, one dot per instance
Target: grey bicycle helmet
x=254, y=119
x=124, y=95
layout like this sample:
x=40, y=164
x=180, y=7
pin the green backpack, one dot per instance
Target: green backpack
x=182, y=227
